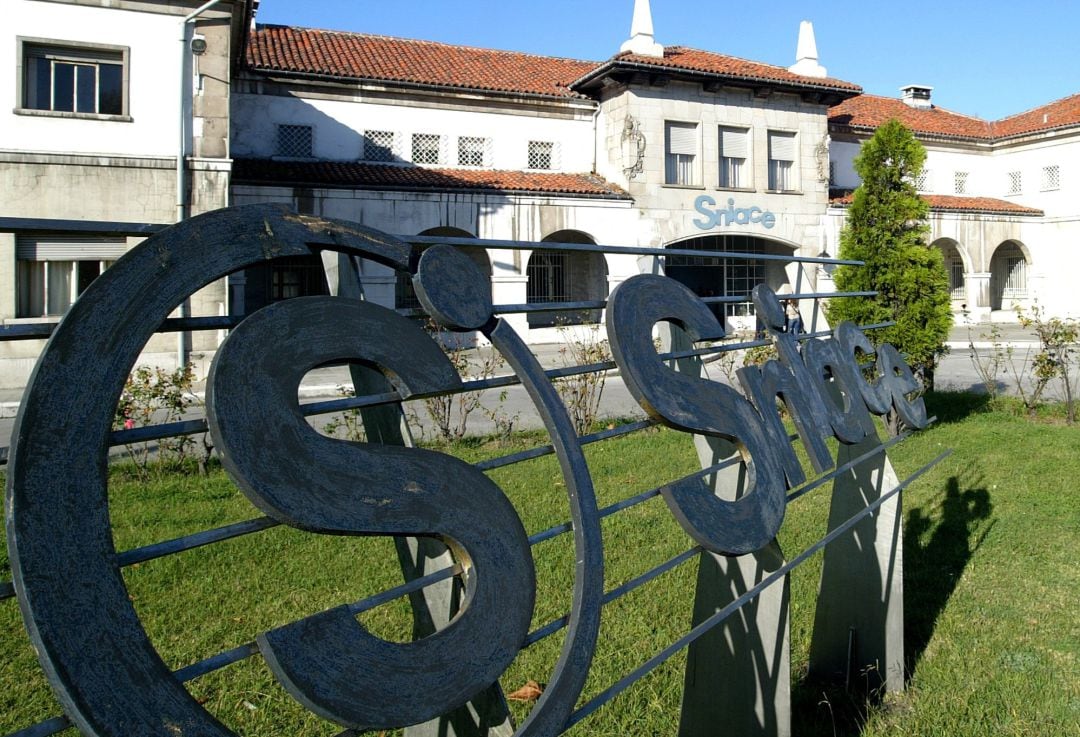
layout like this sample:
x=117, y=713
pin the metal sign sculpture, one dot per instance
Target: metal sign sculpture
x=106, y=673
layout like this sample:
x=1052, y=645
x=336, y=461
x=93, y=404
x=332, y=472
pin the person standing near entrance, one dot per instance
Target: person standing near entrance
x=794, y=319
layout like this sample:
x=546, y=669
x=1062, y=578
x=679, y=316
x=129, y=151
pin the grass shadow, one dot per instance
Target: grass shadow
x=950, y=407
x=938, y=546
x=935, y=556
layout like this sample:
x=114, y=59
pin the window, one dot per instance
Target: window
x=681, y=152
x=379, y=146
x=1051, y=178
x=427, y=148
x=472, y=151
x=296, y=276
x=782, y=161
x=960, y=180
x=956, y=277
x=1014, y=183
x=85, y=79
x=710, y=276
x=52, y=271
x=1015, y=277
x=922, y=181
x=734, y=153
x=295, y=141
x=541, y=155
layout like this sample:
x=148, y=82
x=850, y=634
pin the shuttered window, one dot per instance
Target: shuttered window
x=681, y=153
x=53, y=270
x=781, y=161
x=734, y=153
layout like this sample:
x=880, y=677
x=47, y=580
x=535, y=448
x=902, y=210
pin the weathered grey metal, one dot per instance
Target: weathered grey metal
x=472, y=608
x=439, y=281
x=693, y=404
x=58, y=474
x=292, y=473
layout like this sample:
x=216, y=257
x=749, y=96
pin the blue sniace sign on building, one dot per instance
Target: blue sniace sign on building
x=784, y=428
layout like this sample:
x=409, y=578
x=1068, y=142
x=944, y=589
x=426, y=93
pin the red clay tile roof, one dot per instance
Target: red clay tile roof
x=355, y=56
x=1057, y=114
x=959, y=203
x=682, y=58
x=867, y=112
x=382, y=176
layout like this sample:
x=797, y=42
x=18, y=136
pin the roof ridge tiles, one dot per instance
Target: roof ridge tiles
x=422, y=42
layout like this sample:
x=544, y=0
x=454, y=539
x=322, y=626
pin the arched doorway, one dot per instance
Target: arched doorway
x=405, y=295
x=955, y=268
x=565, y=276
x=728, y=277
x=1008, y=276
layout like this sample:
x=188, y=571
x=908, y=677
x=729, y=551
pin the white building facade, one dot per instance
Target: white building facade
x=657, y=147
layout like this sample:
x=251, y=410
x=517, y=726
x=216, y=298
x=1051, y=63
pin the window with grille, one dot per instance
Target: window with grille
x=52, y=271
x=541, y=155
x=960, y=182
x=379, y=146
x=1015, y=283
x=1051, y=178
x=720, y=277
x=1014, y=183
x=472, y=151
x=427, y=148
x=922, y=181
x=956, y=278
x=782, y=161
x=734, y=154
x=681, y=146
x=296, y=276
x=81, y=78
x=295, y=141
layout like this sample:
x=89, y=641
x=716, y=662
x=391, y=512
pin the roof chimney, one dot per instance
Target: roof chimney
x=806, y=58
x=641, y=39
x=917, y=96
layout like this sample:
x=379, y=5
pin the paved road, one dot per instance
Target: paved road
x=956, y=372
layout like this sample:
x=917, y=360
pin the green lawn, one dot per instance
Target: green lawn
x=991, y=583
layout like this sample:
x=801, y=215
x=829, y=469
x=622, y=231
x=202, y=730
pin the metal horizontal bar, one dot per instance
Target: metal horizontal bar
x=838, y=471
x=100, y=227
x=195, y=540
x=619, y=250
x=619, y=591
x=43, y=729
x=544, y=450
x=406, y=588
x=622, y=684
x=216, y=662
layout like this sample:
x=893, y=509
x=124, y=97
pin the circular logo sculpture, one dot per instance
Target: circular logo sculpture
x=95, y=652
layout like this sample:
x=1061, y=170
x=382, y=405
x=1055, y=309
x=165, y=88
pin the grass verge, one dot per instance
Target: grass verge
x=991, y=585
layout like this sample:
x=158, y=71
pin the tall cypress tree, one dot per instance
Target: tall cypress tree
x=886, y=228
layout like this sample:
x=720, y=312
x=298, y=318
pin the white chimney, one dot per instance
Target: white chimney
x=641, y=39
x=917, y=96
x=806, y=58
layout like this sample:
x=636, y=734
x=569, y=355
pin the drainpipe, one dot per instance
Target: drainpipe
x=181, y=151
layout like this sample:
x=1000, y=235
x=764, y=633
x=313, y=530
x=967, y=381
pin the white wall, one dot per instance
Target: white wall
x=154, y=72
x=339, y=125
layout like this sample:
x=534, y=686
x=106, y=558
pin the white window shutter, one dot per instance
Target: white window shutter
x=734, y=143
x=682, y=139
x=782, y=146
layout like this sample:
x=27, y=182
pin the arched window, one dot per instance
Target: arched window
x=405, y=295
x=727, y=277
x=1008, y=275
x=565, y=276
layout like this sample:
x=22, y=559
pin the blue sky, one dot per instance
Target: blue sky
x=988, y=58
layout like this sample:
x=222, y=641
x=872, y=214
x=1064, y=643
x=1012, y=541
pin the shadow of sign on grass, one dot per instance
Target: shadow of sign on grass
x=938, y=545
